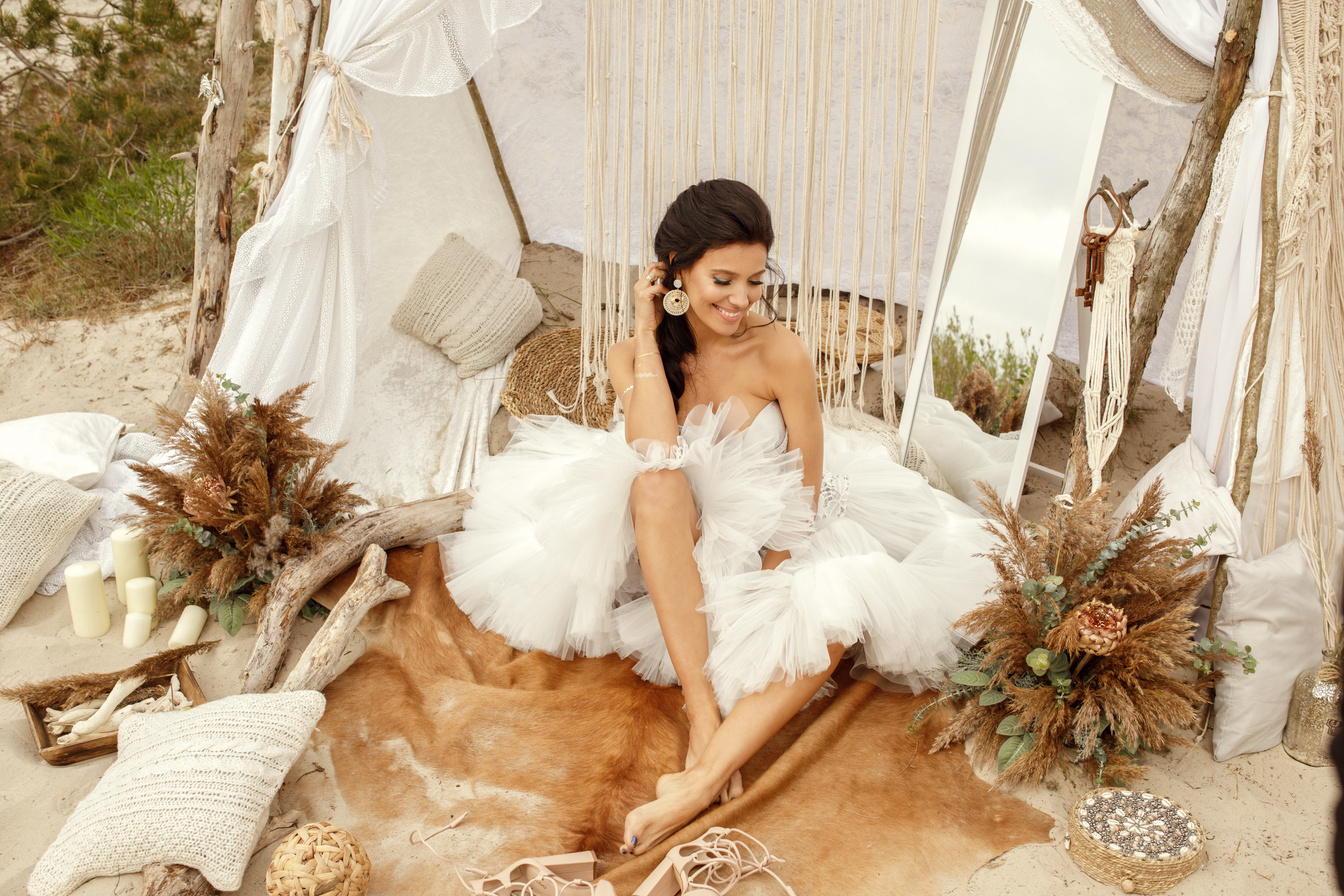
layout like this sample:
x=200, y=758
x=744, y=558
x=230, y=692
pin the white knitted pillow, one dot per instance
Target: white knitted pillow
x=468, y=307
x=191, y=788
x=39, y=517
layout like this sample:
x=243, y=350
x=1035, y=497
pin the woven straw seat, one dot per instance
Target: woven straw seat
x=867, y=335
x=543, y=376
x=318, y=858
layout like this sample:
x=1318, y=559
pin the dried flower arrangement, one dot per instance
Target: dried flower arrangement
x=246, y=494
x=1086, y=652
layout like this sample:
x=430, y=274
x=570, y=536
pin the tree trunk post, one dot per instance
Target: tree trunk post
x=1248, y=442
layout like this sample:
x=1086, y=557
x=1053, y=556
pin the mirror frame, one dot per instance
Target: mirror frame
x=1064, y=275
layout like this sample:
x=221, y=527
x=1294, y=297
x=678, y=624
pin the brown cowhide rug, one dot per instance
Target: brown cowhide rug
x=547, y=756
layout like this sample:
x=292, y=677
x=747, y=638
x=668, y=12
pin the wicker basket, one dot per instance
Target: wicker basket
x=1137, y=841
x=867, y=335
x=318, y=858
x=549, y=366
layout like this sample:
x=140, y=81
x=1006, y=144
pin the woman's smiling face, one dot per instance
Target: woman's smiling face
x=723, y=285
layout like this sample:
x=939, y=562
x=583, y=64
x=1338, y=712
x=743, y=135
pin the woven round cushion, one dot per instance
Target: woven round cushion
x=1137, y=841
x=544, y=377
x=318, y=858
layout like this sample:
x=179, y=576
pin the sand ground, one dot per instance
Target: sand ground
x=1269, y=816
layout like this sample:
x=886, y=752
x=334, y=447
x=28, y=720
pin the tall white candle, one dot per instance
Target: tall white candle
x=88, y=600
x=136, y=632
x=142, y=595
x=129, y=557
x=189, y=626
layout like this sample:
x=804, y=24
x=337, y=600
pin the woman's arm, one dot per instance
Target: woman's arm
x=636, y=368
x=792, y=373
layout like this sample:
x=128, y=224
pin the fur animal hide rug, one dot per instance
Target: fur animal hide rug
x=545, y=756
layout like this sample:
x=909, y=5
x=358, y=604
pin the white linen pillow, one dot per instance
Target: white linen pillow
x=188, y=788
x=1186, y=477
x=1272, y=605
x=39, y=518
x=468, y=307
x=73, y=446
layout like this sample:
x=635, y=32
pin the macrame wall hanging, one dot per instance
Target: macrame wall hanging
x=1110, y=265
x=817, y=104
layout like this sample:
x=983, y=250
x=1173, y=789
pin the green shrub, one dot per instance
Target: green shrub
x=132, y=228
x=957, y=349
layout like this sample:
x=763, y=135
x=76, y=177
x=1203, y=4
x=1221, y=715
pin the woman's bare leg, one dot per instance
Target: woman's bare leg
x=753, y=721
x=666, y=529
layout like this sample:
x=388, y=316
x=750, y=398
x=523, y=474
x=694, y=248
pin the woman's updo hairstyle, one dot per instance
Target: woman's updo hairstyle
x=709, y=215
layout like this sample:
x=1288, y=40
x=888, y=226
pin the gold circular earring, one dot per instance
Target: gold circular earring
x=675, y=300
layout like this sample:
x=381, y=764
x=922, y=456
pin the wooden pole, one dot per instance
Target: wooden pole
x=283, y=117
x=498, y=159
x=216, y=170
x=1247, y=444
x=1160, y=250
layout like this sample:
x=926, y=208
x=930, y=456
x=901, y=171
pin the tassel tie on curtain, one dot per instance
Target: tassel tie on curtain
x=343, y=115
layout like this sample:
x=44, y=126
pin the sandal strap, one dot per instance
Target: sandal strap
x=721, y=861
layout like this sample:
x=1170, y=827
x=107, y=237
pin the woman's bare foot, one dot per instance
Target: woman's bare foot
x=681, y=797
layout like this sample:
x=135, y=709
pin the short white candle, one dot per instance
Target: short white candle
x=129, y=557
x=142, y=595
x=88, y=600
x=136, y=632
x=189, y=627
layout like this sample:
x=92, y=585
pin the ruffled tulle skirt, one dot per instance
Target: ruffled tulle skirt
x=547, y=558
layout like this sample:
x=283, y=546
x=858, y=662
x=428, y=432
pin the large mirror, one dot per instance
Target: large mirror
x=1002, y=273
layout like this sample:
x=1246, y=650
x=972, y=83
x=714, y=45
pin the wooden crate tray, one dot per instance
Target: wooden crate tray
x=56, y=754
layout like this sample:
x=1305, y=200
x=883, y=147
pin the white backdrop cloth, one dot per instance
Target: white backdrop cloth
x=298, y=293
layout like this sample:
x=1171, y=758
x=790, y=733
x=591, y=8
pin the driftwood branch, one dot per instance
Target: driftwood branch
x=406, y=524
x=1121, y=206
x=283, y=112
x=372, y=586
x=176, y=880
x=1247, y=445
x=1166, y=242
x=1160, y=249
x=216, y=169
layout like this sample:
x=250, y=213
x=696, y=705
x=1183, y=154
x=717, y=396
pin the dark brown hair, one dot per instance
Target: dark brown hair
x=709, y=215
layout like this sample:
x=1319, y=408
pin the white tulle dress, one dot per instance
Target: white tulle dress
x=546, y=556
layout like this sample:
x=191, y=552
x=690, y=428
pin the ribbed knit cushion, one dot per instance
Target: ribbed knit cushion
x=468, y=307
x=188, y=788
x=39, y=517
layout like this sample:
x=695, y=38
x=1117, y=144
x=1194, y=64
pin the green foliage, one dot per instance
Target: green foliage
x=957, y=349
x=137, y=227
x=1208, y=650
x=104, y=89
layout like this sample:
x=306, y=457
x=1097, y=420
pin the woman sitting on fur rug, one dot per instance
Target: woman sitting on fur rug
x=703, y=534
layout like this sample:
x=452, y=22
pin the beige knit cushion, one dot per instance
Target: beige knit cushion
x=468, y=307
x=39, y=516
x=188, y=788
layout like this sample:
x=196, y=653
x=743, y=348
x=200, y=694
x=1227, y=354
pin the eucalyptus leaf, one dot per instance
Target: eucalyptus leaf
x=172, y=585
x=970, y=678
x=1011, y=726
x=231, y=613
x=1014, y=748
x=991, y=698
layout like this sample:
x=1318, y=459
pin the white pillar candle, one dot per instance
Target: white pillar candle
x=142, y=595
x=189, y=627
x=136, y=632
x=88, y=600
x=129, y=558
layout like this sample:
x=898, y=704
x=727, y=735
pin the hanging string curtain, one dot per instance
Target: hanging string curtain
x=298, y=289
x=817, y=104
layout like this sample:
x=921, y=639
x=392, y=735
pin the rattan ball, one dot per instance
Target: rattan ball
x=1138, y=841
x=318, y=858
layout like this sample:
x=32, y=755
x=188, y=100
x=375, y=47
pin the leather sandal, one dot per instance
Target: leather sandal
x=565, y=875
x=710, y=865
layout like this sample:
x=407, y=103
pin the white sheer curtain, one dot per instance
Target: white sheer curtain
x=1221, y=299
x=299, y=286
